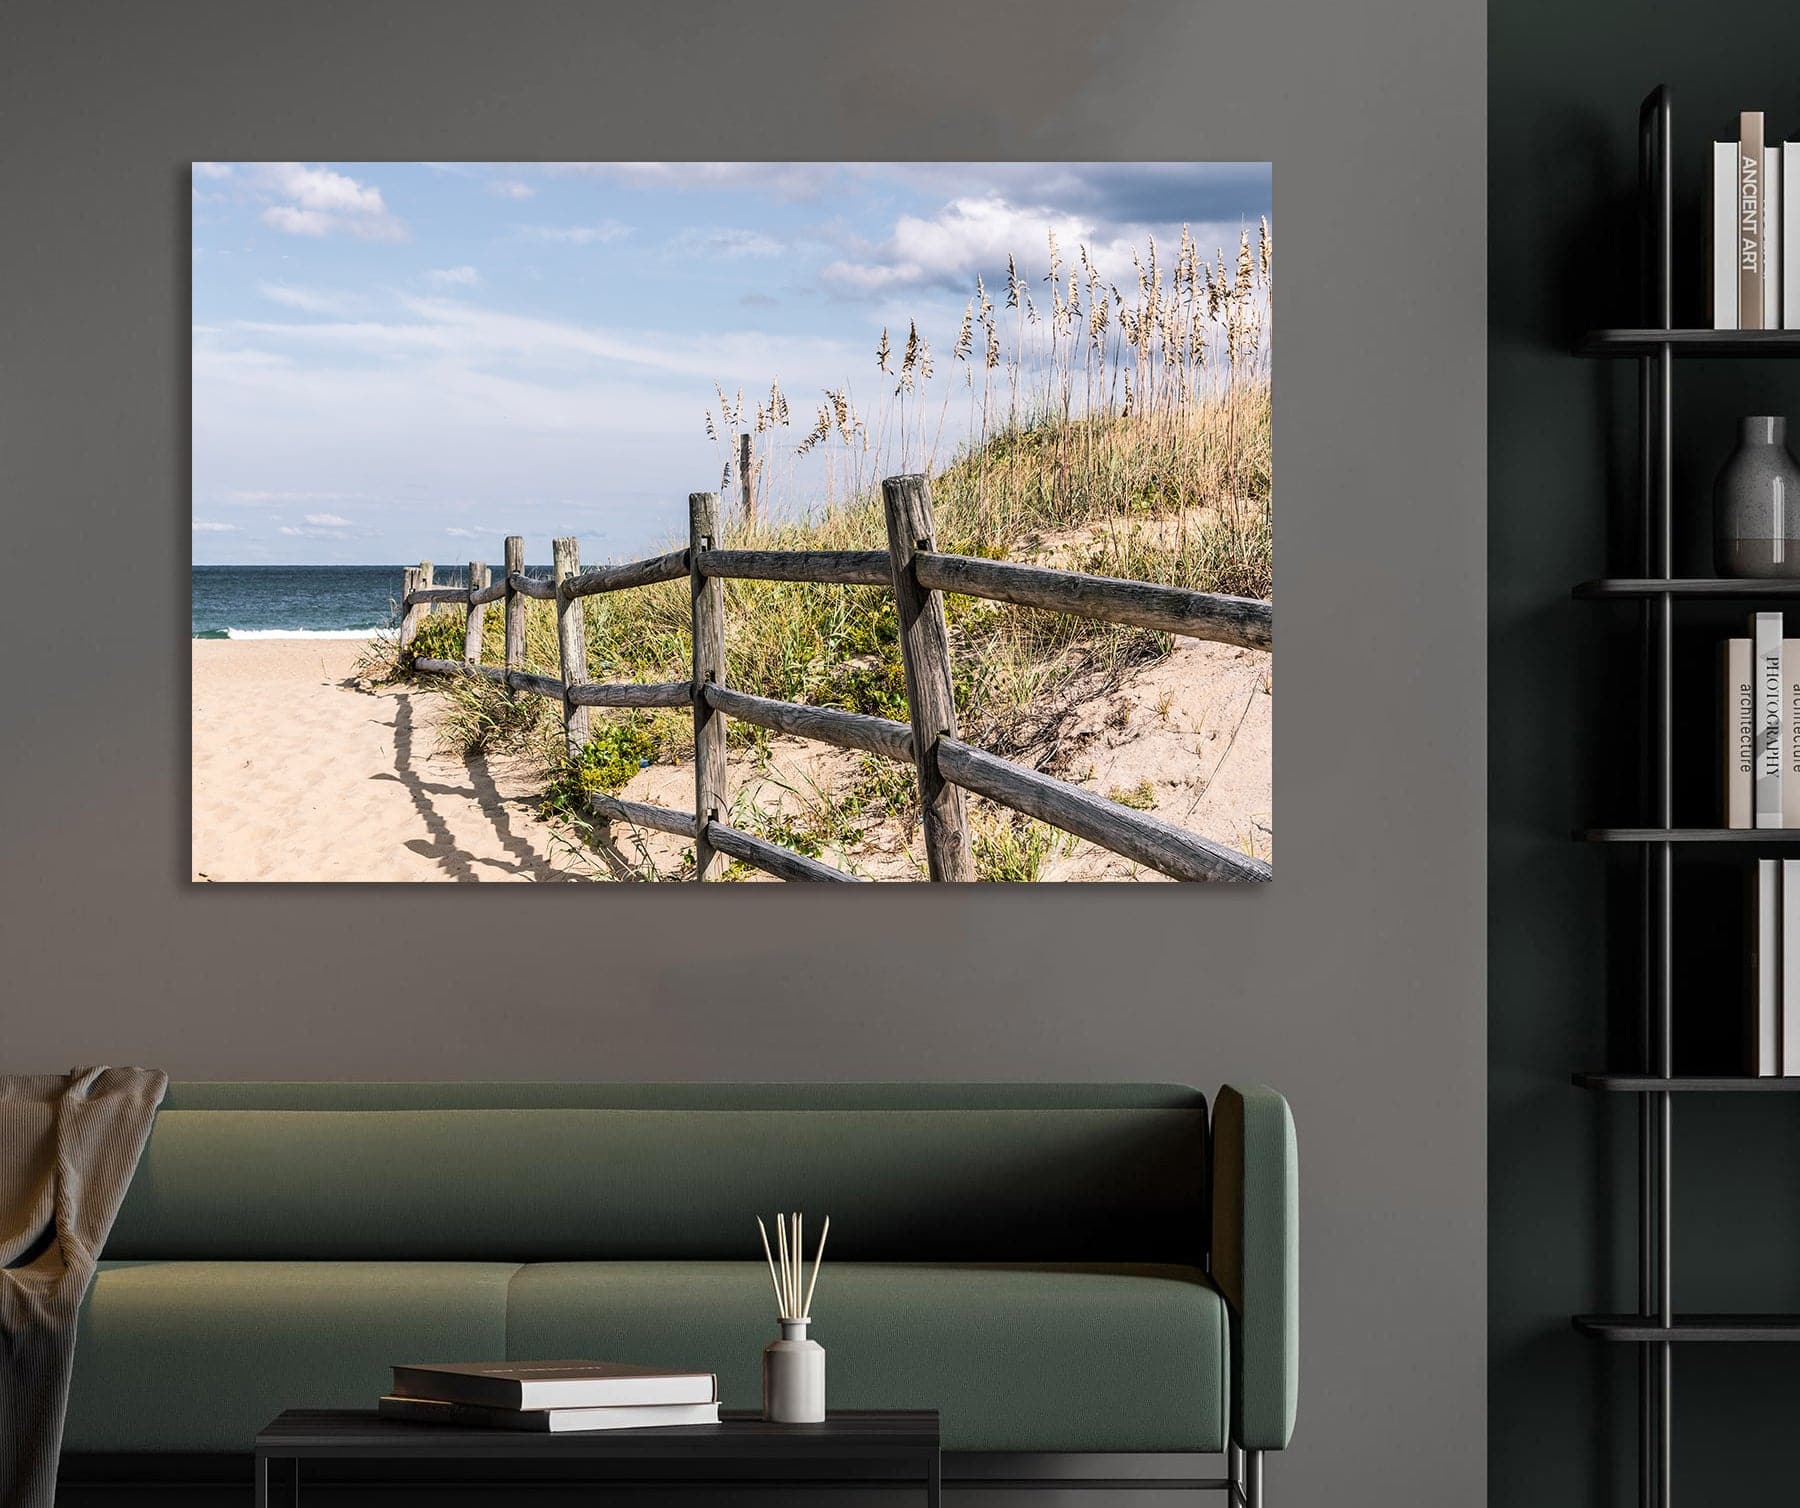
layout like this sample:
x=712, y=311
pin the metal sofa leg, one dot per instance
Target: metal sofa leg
x=1234, y=1473
x=1253, y=1474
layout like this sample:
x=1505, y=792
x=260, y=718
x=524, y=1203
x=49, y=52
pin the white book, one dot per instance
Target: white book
x=547, y=1421
x=1773, y=241
x=1790, y=968
x=552, y=1384
x=1790, y=732
x=1739, y=689
x=1769, y=753
x=1722, y=239
x=1766, y=970
x=1790, y=236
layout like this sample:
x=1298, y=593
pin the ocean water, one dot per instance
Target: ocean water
x=296, y=602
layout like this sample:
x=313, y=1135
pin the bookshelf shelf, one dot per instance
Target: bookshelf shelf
x=1652, y=342
x=1751, y=837
x=1716, y=1329
x=1611, y=588
x=1643, y=1083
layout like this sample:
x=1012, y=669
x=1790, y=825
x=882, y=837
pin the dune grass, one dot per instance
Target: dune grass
x=1121, y=436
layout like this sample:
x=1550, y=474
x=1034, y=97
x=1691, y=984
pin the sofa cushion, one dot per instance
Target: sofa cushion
x=1015, y=1357
x=1042, y=1184
x=201, y=1355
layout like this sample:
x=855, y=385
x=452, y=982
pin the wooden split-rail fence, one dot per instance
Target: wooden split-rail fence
x=918, y=575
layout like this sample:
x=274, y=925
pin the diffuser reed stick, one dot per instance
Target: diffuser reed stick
x=787, y=1264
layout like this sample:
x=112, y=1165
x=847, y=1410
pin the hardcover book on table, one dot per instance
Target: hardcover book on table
x=553, y=1384
x=548, y=1421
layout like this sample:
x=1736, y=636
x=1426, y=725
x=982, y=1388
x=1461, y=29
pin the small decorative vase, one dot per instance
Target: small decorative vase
x=1756, y=504
x=794, y=1377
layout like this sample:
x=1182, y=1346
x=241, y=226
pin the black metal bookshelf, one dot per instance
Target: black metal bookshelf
x=1657, y=1328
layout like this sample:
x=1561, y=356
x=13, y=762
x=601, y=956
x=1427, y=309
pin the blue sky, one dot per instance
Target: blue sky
x=395, y=361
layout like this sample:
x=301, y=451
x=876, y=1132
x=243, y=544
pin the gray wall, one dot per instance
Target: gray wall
x=1354, y=982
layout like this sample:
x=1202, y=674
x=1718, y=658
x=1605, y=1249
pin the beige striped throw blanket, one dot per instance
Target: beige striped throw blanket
x=68, y=1147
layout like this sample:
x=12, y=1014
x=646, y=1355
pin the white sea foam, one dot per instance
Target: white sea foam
x=306, y=633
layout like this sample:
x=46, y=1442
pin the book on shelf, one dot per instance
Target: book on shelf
x=1788, y=1057
x=551, y=1421
x=1774, y=237
x=553, y=1384
x=1766, y=649
x=1751, y=220
x=1766, y=974
x=1749, y=245
x=1790, y=236
x=1740, y=733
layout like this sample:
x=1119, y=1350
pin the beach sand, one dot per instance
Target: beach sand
x=342, y=784
x=299, y=776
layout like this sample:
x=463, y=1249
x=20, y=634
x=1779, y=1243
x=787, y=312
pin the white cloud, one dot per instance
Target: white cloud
x=511, y=188
x=213, y=526
x=327, y=521
x=456, y=532
x=259, y=498
x=726, y=241
x=311, y=533
x=308, y=300
x=576, y=235
x=212, y=169
x=453, y=277
x=466, y=332
x=322, y=202
x=965, y=237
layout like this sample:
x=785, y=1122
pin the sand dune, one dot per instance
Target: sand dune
x=299, y=776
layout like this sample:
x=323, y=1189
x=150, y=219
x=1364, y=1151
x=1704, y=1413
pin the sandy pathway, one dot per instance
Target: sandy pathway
x=297, y=776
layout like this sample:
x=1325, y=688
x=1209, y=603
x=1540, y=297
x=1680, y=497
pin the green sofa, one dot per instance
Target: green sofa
x=1057, y=1268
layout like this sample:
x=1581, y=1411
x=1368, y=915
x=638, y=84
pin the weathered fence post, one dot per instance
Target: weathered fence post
x=515, y=604
x=409, y=615
x=925, y=651
x=571, y=641
x=478, y=581
x=745, y=486
x=414, y=579
x=708, y=594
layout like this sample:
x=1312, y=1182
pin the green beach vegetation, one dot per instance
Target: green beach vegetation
x=1123, y=431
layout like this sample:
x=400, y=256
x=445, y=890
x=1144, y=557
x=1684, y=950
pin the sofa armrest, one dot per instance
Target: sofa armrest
x=1256, y=1258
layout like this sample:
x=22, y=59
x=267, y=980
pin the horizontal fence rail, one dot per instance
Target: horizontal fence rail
x=848, y=730
x=660, y=819
x=918, y=575
x=825, y=567
x=632, y=694
x=772, y=858
x=1142, y=838
x=670, y=567
x=1138, y=604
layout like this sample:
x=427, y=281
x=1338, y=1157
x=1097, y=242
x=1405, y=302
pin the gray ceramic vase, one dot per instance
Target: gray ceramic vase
x=1756, y=504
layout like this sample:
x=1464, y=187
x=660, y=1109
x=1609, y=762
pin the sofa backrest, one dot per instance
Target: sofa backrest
x=534, y=1172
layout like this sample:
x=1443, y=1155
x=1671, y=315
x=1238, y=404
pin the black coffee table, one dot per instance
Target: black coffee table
x=851, y=1447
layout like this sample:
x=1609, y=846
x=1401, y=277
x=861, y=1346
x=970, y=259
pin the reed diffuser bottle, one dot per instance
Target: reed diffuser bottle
x=793, y=1374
